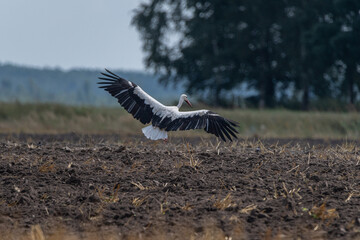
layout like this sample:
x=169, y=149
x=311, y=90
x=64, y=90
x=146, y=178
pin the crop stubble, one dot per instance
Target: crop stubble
x=86, y=186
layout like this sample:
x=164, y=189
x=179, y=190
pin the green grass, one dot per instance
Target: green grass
x=54, y=118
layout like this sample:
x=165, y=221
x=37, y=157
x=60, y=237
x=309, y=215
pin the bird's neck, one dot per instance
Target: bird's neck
x=181, y=101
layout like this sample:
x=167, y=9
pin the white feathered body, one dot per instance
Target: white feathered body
x=163, y=118
x=154, y=133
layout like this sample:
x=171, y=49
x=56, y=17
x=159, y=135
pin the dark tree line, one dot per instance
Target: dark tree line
x=288, y=51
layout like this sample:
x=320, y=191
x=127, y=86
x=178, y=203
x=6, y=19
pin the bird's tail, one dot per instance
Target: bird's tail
x=154, y=133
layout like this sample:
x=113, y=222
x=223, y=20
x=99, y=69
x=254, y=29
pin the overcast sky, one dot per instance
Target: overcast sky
x=70, y=33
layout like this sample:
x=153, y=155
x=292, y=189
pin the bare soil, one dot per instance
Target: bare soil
x=113, y=188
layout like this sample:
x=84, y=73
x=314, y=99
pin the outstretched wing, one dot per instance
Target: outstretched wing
x=130, y=96
x=203, y=119
x=146, y=109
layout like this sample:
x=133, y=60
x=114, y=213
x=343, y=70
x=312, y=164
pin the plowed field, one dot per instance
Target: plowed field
x=102, y=187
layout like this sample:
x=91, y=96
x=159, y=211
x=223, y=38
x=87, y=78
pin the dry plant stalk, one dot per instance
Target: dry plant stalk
x=194, y=163
x=351, y=195
x=31, y=146
x=163, y=209
x=37, y=233
x=49, y=166
x=115, y=195
x=139, y=185
x=323, y=213
x=248, y=209
x=290, y=193
x=187, y=207
x=276, y=195
x=224, y=203
x=137, y=202
x=113, y=198
x=218, y=147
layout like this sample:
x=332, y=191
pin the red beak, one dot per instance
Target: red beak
x=188, y=102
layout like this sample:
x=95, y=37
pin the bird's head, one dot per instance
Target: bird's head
x=185, y=98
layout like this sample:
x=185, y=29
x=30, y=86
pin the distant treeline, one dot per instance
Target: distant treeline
x=295, y=54
x=74, y=87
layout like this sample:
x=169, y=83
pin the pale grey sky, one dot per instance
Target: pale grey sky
x=70, y=33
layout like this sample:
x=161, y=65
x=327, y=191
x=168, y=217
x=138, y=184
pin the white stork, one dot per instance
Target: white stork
x=164, y=118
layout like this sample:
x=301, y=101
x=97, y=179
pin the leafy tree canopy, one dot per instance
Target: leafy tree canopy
x=285, y=50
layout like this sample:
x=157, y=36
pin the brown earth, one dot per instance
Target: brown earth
x=103, y=187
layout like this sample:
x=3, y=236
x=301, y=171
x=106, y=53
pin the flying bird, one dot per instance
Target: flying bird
x=163, y=118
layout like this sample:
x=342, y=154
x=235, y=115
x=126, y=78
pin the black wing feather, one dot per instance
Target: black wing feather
x=210, y=122
x=113, y=74
x=123, y=90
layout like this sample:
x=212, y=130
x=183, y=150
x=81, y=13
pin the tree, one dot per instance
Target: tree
x=210, y=45
x=273, y=46
x=266, y=59
x=306, y=37
x=346, y=44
